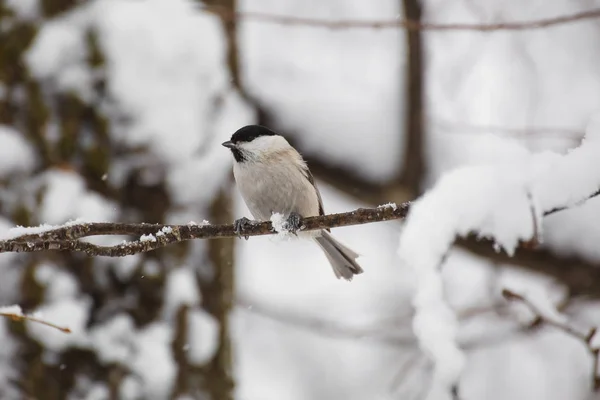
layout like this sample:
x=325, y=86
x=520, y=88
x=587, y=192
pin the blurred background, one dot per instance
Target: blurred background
x=114, y=110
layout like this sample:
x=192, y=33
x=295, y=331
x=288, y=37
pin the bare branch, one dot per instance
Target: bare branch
x=228, y=14
x=413, y=167
x=586, y=337
x=557, y=209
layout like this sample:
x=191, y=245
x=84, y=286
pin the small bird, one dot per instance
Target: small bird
x=274, y=178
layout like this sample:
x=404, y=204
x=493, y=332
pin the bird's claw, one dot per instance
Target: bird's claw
x=294, y=223
x=240, y=225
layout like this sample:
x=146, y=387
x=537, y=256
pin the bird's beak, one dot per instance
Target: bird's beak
x=228, y=144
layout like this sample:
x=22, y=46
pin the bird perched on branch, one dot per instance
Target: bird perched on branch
x=274, y=178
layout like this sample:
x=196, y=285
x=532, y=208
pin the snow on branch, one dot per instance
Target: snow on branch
x=229, y=14
x=551, y=317
x=503, y=203
x=16, y=314
x=153, y=236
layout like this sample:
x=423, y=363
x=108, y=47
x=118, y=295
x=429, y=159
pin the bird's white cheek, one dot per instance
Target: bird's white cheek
x=265, y=145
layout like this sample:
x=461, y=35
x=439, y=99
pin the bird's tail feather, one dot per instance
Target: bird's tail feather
x=341, y=258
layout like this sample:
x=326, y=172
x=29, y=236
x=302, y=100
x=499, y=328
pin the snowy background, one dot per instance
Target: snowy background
x=114, y=110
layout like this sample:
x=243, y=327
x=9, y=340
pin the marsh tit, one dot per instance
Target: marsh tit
x=274, y=178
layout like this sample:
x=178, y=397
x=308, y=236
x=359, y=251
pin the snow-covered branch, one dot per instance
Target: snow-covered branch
x=153, y=236
x=16, y=314
x=503, y=202
x=552, y=317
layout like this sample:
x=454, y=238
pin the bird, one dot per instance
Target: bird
x=272, y=177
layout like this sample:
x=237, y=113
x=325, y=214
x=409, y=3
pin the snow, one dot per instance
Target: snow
x=165, y=230
x=11, y=232
x=143, y=68
x=125, y=267
x=114, y=341
x=513, y=80
x=25, y=9
x=337, y=93
x=16, y=156
x=503, y=202
x=152, y=268
x=203, y=337
x=544, y=295
x=180, y=289
x=17, y=231
x=153, y=361
x=169, y=91
x=543, y=307
x=196, y=181
x=546, y=365
x=275, y=359
x=58, y=284
x=572, y=178
x=189, y=75
x=97, y=392
x=130, y=389
x=203, y=223
x=67, y=198
x=393, y=206
x=58, y=54
x=8, y=352
x=279, y=223
x=14, y=309
x=148, y=238
x=68, y=312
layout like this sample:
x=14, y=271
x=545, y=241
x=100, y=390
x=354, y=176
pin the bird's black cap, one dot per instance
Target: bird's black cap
x=250, y=132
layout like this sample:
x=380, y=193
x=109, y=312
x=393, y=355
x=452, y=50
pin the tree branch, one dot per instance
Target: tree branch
x=408, y=24
x=154, y=236
x=558, y=209
x=16, y=314
x=586, y=337
x=413, y=168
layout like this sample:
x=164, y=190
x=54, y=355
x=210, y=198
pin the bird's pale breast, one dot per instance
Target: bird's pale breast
x=269, y=188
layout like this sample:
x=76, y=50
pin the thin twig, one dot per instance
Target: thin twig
x=229, y=14
x=24, y=317
x=585, y=337
x=557, y=209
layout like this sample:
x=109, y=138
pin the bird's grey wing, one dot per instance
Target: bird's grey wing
x=311, y=179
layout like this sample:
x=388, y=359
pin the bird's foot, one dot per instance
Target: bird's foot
x=294, y=223
x=240, y=225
